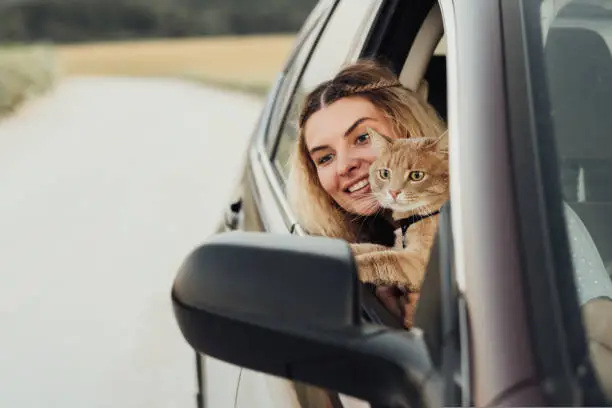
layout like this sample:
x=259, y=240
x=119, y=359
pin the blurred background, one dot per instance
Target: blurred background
x=233, y=43
x=123, y=128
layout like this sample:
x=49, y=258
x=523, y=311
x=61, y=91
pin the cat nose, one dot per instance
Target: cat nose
x=394, y=193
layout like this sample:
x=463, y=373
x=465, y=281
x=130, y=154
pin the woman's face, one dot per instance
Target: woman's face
x=342, y=152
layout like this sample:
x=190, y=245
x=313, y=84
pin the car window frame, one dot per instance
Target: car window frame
x=484, y=209
x=315, y=25
x=262, y=150
x=259, y=150
x=355, y=50
x=554, y=314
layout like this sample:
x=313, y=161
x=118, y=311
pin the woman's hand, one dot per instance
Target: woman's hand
x=399, y=301
x=597, y=317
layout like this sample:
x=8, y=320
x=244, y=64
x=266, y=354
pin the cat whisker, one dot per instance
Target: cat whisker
x=361, y=225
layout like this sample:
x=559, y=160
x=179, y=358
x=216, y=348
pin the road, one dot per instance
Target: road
x=105, y=185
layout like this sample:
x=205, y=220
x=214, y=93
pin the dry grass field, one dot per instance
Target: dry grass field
x=25, y=72
x=245, y=62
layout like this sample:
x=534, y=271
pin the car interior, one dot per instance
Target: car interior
x=582, y=126
x=577, y=41
x=427, y=61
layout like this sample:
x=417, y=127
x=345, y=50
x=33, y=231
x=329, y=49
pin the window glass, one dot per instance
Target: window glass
x=292, y=74
x=339, y=37
x=576, y=42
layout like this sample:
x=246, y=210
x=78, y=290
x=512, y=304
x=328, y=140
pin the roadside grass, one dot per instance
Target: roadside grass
x=243, y=63
x=26, y=71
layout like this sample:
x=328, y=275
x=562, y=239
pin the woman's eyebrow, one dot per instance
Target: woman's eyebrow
x=348, y=132
x=316, y=149
x=354, y=125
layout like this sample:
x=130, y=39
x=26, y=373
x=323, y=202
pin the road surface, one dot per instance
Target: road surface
x=105, y=185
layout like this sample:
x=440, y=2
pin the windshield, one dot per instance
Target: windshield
x=576, y=39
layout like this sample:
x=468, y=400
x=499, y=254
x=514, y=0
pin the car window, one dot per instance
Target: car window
x=576, y=45
x=331, y=52
x=577, y=41
x=291, y=73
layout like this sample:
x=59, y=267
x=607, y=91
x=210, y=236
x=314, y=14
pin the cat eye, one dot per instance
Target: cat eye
x=416, y=175
x=384, y=174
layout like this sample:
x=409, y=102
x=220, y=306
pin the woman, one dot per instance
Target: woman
x=328, y=187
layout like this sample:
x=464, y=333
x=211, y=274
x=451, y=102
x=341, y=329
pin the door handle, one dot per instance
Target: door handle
x=233, y=215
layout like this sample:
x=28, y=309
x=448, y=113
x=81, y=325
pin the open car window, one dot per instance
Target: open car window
x=331, y=52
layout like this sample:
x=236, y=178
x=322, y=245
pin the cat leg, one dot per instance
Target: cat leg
x=401, y=268
x=399, y=239
x=359, y=249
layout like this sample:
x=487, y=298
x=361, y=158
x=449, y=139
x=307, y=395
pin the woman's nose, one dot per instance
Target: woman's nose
x=346, y=165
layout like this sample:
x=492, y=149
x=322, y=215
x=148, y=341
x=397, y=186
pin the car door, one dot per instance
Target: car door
x=516, y=90
x=372, y=28
x=558, y=65
x=254, y=206
x=341, y=40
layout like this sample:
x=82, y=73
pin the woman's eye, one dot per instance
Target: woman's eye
x=324, y=159
x=363, y=138
x=384, y=174
x=416, y=175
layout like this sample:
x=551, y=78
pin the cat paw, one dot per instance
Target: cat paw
x=359, y=249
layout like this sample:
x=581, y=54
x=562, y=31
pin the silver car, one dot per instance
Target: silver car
x=516, y=306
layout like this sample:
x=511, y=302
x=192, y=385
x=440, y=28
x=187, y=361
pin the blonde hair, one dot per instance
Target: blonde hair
x=408, y=111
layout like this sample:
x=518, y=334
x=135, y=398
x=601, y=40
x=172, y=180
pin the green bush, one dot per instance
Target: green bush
x=25, y=72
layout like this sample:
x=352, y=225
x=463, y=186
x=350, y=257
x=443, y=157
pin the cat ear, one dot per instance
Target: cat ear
x=380, y=142
x=439, y=144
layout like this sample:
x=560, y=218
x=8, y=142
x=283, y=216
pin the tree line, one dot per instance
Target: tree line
x=102, y=20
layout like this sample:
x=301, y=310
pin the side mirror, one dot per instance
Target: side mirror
x=290, y=306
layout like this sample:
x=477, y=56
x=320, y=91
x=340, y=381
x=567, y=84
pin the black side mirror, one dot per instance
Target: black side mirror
x=290, y=306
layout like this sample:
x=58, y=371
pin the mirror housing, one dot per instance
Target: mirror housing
x=289, y=306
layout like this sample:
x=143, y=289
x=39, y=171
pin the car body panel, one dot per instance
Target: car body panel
x=262, y=390
x=484, y=228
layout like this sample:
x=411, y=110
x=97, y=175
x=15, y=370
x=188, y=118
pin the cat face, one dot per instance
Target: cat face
x=410, y=175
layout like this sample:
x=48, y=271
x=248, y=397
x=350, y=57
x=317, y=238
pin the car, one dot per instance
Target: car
x=278, y=318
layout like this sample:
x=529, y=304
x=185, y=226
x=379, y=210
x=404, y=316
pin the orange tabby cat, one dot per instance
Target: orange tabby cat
x=409, y=177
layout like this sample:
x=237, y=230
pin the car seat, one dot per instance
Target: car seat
x=579, y=67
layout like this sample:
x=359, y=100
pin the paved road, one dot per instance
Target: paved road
x=105, y=186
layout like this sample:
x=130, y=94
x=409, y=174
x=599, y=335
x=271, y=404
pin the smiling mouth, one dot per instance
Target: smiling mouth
x=359, y=186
